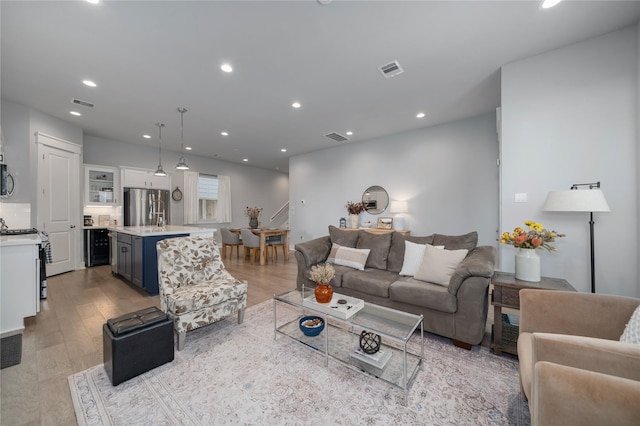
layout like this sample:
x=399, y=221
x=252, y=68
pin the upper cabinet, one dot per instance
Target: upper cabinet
x=101, y=185
x=137, y=178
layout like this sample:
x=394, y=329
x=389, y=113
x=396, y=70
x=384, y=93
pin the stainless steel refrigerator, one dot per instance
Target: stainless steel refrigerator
x=146, y=207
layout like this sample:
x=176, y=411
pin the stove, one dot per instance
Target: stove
x=18, y=231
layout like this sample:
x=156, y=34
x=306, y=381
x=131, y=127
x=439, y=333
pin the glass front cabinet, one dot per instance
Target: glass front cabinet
x=101, y=185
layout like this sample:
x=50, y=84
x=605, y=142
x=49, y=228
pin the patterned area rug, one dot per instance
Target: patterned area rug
x=239, y=374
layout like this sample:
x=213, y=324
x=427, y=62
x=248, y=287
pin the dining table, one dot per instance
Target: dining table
x=263, y=233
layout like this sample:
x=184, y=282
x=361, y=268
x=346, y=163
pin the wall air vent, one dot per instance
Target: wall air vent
x=391, y=70
x=337, y=137
x=83, y=103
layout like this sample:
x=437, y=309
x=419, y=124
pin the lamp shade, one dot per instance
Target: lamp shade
x=576, y=200
x=399, y=207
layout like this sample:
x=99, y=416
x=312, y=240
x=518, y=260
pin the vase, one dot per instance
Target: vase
x=323, y=293
x=528, y=265
x=354, y=220
x=253, y=223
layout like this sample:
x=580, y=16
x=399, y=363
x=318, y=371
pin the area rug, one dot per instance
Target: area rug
x=239, y=374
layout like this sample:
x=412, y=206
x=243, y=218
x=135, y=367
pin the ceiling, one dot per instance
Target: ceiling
x=150, y=57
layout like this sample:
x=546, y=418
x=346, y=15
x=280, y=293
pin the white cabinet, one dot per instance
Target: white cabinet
x=19, y=278
x=137, y=178
x=101, y=185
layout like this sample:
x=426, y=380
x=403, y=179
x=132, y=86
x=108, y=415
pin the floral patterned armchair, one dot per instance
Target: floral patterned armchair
x=195, y=288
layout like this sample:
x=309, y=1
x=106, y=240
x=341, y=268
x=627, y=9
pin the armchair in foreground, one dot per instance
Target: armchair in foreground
x=573, y=368
x=195, y=288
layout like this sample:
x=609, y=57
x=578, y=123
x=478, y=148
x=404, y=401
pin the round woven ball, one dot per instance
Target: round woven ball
x=370, y=342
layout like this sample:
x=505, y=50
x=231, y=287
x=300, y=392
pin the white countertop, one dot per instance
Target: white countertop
x=148, y=231
x=19, y=240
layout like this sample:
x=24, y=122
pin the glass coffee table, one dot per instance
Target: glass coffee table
x=340, y=339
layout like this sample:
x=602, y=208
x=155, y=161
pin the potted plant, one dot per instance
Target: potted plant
x=528, y=241
x=354, y=209
x=253, y=213
x=322, y=275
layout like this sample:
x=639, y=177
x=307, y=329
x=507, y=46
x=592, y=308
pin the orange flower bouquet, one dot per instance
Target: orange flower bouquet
x=537, y=237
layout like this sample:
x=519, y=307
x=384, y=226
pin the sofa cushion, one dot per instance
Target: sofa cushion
x=379, y=246
x=370, y=281
x=455, y=242
x=396, y=252
x=413, y=257
x=438, y=266
x=343, y=237
x=420, y=293
x=347, y=256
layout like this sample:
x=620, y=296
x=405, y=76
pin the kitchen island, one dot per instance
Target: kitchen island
x=137, y=259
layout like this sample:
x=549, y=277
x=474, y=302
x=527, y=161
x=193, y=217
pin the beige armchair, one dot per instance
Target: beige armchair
x=573, y=368
x=195, y=288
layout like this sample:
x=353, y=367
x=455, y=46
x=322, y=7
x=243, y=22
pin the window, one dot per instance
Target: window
x=207, y=198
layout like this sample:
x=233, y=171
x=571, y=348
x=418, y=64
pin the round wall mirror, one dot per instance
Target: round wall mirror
x=375, y=199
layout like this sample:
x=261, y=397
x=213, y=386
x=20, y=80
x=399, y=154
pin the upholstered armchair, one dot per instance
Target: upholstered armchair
x=573, y=368
x=230, y=240
x=251, y=243
x=195, y=288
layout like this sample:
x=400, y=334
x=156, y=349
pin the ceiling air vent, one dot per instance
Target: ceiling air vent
x=83, y=103
x=337, y=137
x=391, y=70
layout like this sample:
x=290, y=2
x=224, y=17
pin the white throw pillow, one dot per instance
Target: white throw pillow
x=347, y=256
x=439, y=265
x=631, y=333
x=413, y=256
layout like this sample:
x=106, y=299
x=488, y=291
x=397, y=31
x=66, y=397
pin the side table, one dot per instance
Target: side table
x=506, y=294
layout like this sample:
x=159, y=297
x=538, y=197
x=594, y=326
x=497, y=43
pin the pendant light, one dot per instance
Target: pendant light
x=182, y=165
x=160, y=171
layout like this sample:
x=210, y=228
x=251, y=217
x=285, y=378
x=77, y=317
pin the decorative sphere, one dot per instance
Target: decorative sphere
x=370, y=342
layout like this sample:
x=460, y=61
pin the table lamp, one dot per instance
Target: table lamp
x=576, y=200
x=398, y=206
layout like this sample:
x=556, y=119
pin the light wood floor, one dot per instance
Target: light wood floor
x=66, y=336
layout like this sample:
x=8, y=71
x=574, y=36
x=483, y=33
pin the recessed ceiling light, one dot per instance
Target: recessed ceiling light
x=296, y=105
x=224, y=133
x=284, y=150
x=546, y=4
x=245, y=159
x=93, y=1
x=420, y=115
x=146, y=136
x=76, y=113
x=188, y=148
x=89, y=83
x=226, y=67
x=349, y=133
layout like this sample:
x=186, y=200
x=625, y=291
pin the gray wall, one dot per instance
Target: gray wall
x=447, y=173
x=571, y=116
x=250, y=186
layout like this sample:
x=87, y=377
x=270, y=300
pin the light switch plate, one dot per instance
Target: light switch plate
x=521, y=197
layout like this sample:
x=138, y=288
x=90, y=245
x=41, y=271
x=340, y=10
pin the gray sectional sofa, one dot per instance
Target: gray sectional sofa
x=457, y=311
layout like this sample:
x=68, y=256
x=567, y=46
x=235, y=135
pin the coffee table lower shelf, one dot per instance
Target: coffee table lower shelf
x=342, y=342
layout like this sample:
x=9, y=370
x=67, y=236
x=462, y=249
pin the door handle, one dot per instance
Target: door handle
x=72, y=226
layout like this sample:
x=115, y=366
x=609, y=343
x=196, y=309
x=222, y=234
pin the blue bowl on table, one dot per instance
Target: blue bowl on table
x=311, y=330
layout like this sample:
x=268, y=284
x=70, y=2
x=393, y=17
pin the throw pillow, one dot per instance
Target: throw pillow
x=631, y=333
x=347, y=256
x=396, y=251
x=438, y=266
x=343, y=237
x=413, y=256
x=379, y=246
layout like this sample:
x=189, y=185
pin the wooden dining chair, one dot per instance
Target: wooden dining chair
x=273, y=243
x=231, y=240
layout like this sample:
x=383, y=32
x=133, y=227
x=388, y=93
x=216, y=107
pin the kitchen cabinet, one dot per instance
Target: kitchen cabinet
x=20, y=281
x=125, y=256
x=101, y=185
x=137, y=178
x=138, y=265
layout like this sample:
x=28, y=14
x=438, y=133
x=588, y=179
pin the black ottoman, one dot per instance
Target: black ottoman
x=135, y=343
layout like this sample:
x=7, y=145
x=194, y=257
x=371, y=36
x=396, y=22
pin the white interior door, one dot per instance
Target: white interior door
x=59, y=200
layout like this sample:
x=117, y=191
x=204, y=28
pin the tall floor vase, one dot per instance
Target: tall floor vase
x=528, y=265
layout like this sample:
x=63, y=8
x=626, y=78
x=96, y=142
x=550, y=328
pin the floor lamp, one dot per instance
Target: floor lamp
x=576, y=200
